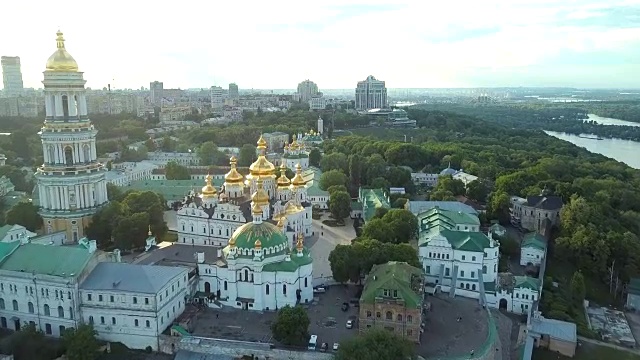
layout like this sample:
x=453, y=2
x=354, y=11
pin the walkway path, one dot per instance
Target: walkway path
x=613, y=346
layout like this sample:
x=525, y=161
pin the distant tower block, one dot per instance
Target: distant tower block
x=3, y=160
x=320, y=126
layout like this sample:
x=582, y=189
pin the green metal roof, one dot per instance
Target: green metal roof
x=497, y=227
x=355, y=205
x=270, y=236
x=392, y=276
x=534, y=240
x=527, y=282
x=462, y=240
x=170, y=189
x=63, y=261
x=6, y=248
x=290, y=266
x=438, y=215
x=372, y=199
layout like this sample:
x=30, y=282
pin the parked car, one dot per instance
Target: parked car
x=335, y=346
x=319, y=290
x=324, y=347
x=350, y=324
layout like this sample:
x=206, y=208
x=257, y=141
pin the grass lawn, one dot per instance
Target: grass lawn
x=586, y=352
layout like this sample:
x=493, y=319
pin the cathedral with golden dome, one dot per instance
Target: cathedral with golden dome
x=211, y=216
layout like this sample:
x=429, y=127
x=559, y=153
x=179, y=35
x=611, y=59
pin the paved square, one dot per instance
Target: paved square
x=444, y=335
x=327, y=320
x=234, y=324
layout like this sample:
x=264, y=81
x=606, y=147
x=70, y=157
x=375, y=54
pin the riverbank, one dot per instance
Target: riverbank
x=625, y=151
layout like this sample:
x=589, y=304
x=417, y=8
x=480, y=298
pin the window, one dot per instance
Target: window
x=102, y=320
x=146, y=301
x=461, y=273
x=61, y=329
x=463, y=257
x=428, y=270
x=284, y=289
x=147, y=323
x=399, y=317
x=306, y=282
x=267, y=289
x=409, y=332
x=47, y=311
x=409, y=319
x=446, y=272
x=135, y=322
x=385, y=292
x=113, y=320
x=47, y=329
x=484, y=269
x=473, y=286
x=111, y=298
x=135, y=300
x=70, y=312
x=91, y=320
x=99, y=297
x=368, y=313
x=473, y=258
x=473, y=274
x=378, y=315
x=60, y=311
x=30, y=307
x=1, y=304
x=395, y=293
x=15, y=305
x=88, y=297
x=389, y=315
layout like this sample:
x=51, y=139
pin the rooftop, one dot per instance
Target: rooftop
x=145, y=279
x=436, y=214
x=170, y=189
x=167, y=253
x=417, y=207
x=63, y=261
x=534, y=240
x=371, y=200
x=556, y=329
x=545, y=202
x=400, y=276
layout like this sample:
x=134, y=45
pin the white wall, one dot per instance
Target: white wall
x=531, y=255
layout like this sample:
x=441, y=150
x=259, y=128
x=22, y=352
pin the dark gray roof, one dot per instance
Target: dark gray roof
x=189, y=355
x=545, y=202
x=178, y=254
x=144, y=279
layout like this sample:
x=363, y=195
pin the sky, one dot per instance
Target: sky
x=335, y=43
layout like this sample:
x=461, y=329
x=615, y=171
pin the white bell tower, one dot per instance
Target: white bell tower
x=71, y=182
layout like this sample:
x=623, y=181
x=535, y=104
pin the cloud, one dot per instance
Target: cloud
x=408, y=43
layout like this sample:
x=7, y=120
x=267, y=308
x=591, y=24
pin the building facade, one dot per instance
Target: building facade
x=233, y=91
x=371, y=94
x=217, y=98
x=133, y=304
x=71, y=182
x=307, y=90
x=392, y=299
x=11, y=76
x=156, y=89
x=532, y=249
x=534, y=212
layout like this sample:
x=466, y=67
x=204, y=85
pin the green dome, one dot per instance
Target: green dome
x=272, y=240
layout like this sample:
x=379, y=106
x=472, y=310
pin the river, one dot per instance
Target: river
x=622, y=150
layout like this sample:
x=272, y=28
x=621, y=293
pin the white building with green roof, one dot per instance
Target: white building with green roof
x=39, y=284
x=258, y=269
x=370, y=200
x=456, y=257
x=533, y=249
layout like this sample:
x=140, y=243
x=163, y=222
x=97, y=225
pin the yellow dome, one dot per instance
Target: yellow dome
x=262, y=143
x=256, y=209
x=232, y=242
x=298, y=180
x=258, y=244
x=262, y=167
x=281, y=221
x=61, y=60
x=283, y=180
x=209, y=190
x=260, y=197
x=233, y=176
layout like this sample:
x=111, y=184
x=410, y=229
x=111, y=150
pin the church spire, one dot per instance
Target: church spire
x=59, y=40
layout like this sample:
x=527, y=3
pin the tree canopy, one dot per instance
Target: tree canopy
x=25, y=214
x=291, y=326
x=81, y=343
x=175, y=171
x=375, y=344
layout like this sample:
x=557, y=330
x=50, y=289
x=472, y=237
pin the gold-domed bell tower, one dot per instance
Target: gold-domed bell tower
x=283, y=184
x=261, y=199
x=300, y=244
x=209, y=194
x=263, y=169
x=298, y=186
x=71, y=183
x=233, y=181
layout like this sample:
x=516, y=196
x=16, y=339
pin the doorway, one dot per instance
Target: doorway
x=245, y=305
x=207, y=287
x=16, y=324
x=503, y=304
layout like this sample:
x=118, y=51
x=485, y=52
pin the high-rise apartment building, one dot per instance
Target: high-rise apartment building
x=233, y=91
x=371, y=94
x=307, y=90
x=157, y=92
x=11, y=75
x=217, y=98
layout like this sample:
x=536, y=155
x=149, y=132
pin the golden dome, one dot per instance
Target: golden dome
x=283, y=180
x=232, y=242
x=262, y=143
x=233, y=176
x=61, y=60
x=258, y=244
x=298, y=180
x=260, y=197
x=256, y=209
x=281, y=221
x=209, y=190
x=262, y=167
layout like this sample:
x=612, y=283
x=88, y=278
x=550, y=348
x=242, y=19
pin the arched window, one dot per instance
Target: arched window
x=305, y=282
x=135, y=322
x=91, y=320
x=246, y=275
x=68, y=156
x=267, y=289
x=15, y=305
x=70, y=313
x=409, y=318
x=30, y=307
x=284, y=289
x=60, y=311
x=484, y=269
x=52, y=154
x=65, y=106
x=75, y=105
x=473, y=286
x=225, y=286
x=147, y=323
x=85, y=152
x=1, y=304
x=389, y=315
x=399, y=317
x=47, y=311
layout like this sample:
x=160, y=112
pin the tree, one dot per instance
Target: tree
x=113, y=192
x=314, y=157
x=339, y=205
x=81, y=343
x=477, y=190
x=150, y=144
x=208, y=153
x=291, y=326
x=247, y=155
x=335, y=161
x=355, y=169
x=131, y=231
x=104, y=221
x=168, y=144
x=403, y=224
x=109, y=165
x=577, y=287
x=339, y=259
x=29, y=344
x=499, y=206
x=331, y=178
x=174, y=171
x=378, y=229
x=25, y=214
x=376, y=344
x=335, y=188
x=448, y=183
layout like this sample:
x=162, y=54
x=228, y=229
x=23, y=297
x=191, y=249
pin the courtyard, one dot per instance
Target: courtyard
x=453, y=327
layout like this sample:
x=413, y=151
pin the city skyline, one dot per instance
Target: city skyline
x=336, y=44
